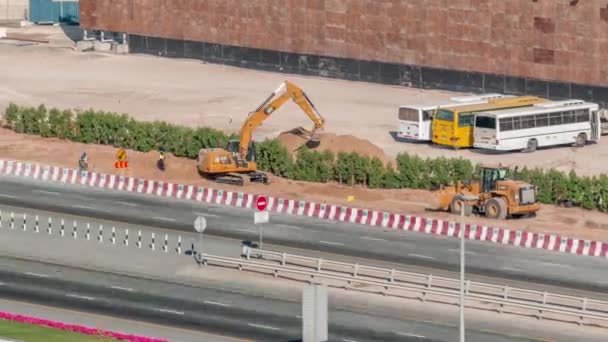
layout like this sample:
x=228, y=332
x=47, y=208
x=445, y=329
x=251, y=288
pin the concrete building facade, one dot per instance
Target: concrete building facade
x=556, y=48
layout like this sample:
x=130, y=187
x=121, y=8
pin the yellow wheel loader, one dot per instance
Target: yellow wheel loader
x=494, y=195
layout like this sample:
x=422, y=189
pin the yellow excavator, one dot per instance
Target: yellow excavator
x=236, y=164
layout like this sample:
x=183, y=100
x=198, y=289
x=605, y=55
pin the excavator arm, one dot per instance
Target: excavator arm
x=285, y=92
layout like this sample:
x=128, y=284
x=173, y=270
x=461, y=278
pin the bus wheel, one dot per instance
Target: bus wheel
x=532, y=145
x=581, y=140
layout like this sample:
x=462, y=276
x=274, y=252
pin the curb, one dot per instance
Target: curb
x=76, y=328
x=373, y=218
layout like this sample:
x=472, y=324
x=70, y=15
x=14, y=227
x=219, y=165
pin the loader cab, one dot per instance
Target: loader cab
x=491, y=175
x=233, y=146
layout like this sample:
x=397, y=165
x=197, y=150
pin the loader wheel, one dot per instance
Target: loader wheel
x=496, y=208
x=456, y=206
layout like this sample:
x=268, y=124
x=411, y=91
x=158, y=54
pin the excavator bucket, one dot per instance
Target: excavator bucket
x=313, y=139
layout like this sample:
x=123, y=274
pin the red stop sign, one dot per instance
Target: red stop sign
x=261, y=203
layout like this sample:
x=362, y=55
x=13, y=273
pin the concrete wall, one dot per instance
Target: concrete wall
x=12, y=10
x=561, y=40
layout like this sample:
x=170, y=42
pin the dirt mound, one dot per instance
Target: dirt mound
x=335, y=143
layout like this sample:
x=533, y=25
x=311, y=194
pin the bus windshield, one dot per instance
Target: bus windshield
x=408, y=114
x=485, y=122
x=444, y=115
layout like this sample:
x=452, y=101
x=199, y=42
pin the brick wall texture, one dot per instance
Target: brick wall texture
x=562, y=40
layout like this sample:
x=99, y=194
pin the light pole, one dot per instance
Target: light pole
x=463, y=208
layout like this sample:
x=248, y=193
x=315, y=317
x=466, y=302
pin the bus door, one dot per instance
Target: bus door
x=595, y=125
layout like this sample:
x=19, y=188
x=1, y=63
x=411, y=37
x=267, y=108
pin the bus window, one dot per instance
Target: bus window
x=527, y=121
x=465, y=119
x=408, y=114
x=485, y=122
x=542, y=120
x=427, y=115
x=444, y=115
x=506, y=124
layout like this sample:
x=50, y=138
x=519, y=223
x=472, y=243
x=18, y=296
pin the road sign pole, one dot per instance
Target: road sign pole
x=261, y=236
x=200, y=224
x=261, y=217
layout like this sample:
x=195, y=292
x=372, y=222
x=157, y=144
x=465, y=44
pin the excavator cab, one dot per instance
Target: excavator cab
x=233, y=146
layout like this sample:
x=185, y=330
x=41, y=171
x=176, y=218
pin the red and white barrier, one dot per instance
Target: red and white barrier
x=77, y=328
x=374, y=218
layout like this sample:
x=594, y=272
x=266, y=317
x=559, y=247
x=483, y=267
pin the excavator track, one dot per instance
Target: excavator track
x=242, y=179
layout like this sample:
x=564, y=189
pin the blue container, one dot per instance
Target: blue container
x=54, y=11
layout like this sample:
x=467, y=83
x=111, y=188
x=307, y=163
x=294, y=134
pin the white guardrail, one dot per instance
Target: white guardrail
x=425, y=287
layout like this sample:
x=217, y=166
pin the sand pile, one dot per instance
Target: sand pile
x=335, y=143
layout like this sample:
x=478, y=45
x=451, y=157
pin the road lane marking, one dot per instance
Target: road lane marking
x=169, y=311
x=513, y=269
x=47, y=192
x=347, y=340
x=453, y=250
x=267, y=327
x=128, y=289
x=7, y=196
x=421, y=256
x=371, y=238
x=554, y=264
x=164, y=219
x=601, y=282
x=88, y=207
x=288, y=226
x=127, y=203
x=331, y=243
x=73, y=295
x=409, y=335
x=1, y=284
x=215, y=303
x=246, y=230
x=38, y=275
x=207, y=215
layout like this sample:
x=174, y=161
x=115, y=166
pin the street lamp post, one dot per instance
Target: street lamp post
x=464, y=200
x=462, y=208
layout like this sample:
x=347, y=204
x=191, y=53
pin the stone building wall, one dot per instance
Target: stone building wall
x=565, y=41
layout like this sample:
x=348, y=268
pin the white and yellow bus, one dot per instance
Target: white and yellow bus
x=415, y=119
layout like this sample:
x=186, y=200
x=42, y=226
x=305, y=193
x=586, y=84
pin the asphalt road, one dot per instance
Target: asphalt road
x=484, y=259
x=208, y=309
x=130, y=272
x=213, y=245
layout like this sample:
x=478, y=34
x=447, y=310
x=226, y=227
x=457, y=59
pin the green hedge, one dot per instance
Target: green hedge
x=410, y=171
x=119, y=130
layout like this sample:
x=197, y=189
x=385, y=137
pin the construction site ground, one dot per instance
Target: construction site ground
x=193, y=93
x=566, y=221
